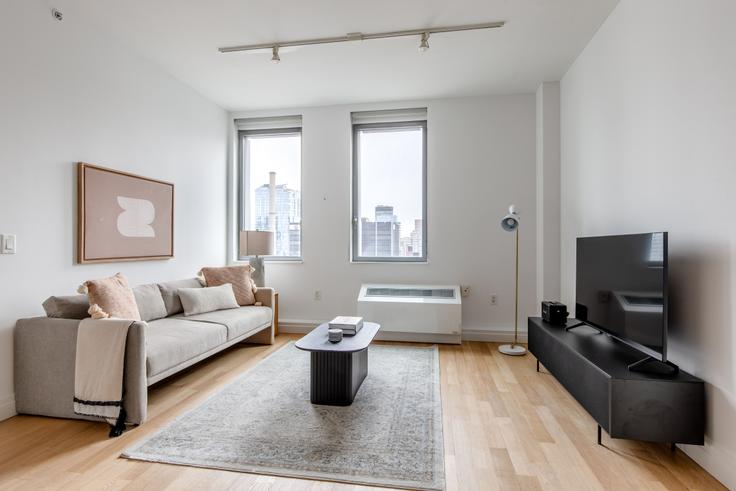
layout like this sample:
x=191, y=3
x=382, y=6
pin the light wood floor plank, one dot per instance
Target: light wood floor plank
x=506, y=427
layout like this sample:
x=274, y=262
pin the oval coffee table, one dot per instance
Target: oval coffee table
x=337, y=369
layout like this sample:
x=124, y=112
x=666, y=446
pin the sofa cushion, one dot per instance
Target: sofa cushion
x=202, y=300
x=172, y=341
x=67, y=307
x=238, y=321
x=150, y=302
x=170, y=295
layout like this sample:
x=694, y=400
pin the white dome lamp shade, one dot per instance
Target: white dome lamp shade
x=510, y=223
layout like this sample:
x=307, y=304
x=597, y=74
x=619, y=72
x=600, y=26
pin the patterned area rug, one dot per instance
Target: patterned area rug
x=264, y=423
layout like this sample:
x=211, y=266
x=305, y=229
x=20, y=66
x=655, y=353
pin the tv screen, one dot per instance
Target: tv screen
x=621, y=288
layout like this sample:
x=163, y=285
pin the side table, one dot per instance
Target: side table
x=276, y=315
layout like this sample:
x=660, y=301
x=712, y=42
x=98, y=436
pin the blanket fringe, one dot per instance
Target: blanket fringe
x=119, y=427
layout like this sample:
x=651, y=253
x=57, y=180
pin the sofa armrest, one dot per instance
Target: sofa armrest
x=44, y=359
x=266, y=295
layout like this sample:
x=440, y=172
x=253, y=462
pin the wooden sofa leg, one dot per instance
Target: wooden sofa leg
x=264, y=336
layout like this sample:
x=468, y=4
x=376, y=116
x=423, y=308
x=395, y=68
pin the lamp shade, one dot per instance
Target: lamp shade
x=510, y=222
x=256, y=243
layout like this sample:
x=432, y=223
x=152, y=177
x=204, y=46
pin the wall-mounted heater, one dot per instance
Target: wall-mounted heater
x=423, y=313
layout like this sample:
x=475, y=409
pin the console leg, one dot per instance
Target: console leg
x=599, y=435
x=673, y=447
x=537, y=365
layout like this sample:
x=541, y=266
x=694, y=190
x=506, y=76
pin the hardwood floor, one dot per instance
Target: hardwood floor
x=505, y=427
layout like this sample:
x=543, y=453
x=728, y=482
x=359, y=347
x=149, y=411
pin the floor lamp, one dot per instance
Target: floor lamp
x=510, y=223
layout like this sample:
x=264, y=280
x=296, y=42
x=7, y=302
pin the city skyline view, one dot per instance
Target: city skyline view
x=390, y=195
x=280, y=154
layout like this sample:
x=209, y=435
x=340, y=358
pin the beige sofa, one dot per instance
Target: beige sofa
x=155, y=349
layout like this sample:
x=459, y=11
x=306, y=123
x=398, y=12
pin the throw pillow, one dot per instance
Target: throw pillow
x=111, y=297
x=238, y=277
x=150, y=302
x=67, y=307
x=201, y=300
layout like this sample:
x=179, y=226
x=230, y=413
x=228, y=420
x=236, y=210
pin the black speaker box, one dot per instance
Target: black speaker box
x=554, y=312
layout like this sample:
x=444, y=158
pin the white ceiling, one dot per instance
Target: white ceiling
x=538, y=43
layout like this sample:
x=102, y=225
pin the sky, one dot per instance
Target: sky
x=390, y=170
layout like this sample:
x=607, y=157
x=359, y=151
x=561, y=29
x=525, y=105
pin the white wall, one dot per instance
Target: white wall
x=480, y=159
x=67, y=95
x=648, y=127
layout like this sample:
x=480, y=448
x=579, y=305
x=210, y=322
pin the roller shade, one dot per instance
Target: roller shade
x=389, y=116
x=269, y=123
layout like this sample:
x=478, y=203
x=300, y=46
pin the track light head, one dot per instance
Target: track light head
x=275, y=58
x=424, y=44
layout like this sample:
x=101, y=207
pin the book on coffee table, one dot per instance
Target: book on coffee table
x=349, y=325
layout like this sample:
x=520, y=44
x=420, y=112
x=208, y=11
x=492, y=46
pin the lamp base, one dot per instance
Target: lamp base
x=259, y=275
x=512, y=349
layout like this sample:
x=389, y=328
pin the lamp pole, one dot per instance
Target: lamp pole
x=516, y=296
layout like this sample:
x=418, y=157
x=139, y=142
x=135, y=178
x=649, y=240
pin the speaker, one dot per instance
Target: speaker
x=554, y=312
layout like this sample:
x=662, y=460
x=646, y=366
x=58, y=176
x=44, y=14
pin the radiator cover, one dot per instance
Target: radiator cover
x=431, y=313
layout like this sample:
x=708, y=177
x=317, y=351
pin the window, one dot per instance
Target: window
x=270, y=184
x=389, y=187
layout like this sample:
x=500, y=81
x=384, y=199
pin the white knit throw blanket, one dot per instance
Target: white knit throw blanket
x=98, y=374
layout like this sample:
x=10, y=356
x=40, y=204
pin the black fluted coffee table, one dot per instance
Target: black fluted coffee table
x=337, y=369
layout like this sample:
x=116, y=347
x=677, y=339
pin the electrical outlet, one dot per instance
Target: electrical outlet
x=318, y=294
x=465, y=291
x=494, y=299
x=7, y=244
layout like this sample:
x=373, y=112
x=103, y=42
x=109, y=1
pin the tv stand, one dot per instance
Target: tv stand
x=654, y=366
x=648, y=405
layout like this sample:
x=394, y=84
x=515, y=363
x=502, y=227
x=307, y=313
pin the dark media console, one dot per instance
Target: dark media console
x=594, y=368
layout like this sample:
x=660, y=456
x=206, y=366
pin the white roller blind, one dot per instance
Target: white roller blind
x=390, y=116
x=270, y=123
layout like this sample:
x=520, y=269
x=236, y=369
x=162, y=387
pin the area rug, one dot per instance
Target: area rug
x=263, y=423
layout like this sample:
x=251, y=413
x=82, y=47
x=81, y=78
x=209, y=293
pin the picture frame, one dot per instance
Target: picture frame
x=122, y=216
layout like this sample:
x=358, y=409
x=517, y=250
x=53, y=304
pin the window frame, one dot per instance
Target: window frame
x=243, y=182
x=355, y=256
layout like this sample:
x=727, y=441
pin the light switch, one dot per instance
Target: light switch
x=8, y=244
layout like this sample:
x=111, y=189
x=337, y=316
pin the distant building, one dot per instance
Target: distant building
x=380, y=238
x=385, y=214
x=286, y=219
x=405, y=246
x=416, y=238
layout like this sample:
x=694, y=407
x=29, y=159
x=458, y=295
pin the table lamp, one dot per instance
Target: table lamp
x=255, y=244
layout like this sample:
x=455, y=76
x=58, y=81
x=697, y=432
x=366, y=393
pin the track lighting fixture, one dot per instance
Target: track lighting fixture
x=424, y=44
x=359, y=36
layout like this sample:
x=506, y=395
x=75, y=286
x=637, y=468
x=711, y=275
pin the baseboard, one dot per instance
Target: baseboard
x=296, y=326
x=7, y=407
x=717, y=461
x=492, y=335
x=485, y=335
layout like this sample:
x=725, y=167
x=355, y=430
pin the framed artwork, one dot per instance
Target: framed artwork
x=123, y=217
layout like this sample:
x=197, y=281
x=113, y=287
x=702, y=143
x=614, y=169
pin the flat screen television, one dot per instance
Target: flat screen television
x=621, y=289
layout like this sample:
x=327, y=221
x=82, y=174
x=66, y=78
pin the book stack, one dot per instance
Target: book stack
x=349, y=325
